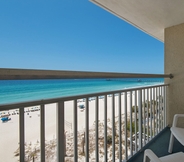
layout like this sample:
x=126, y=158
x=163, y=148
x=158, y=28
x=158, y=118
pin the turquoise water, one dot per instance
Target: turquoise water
x=12, y=91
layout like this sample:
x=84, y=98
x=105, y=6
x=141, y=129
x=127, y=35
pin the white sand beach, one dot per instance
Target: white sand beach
x=9, y=131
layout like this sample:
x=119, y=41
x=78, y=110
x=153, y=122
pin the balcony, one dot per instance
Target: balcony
x=159, y=145
x=105, y=126
x=122, y=133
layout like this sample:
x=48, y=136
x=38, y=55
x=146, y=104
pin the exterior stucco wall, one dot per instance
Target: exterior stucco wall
x=174, y=63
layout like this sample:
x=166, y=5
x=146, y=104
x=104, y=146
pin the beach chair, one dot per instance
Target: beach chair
x=149, y=156
x=176, y=132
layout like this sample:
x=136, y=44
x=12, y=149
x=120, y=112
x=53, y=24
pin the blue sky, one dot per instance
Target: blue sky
x=73, y=35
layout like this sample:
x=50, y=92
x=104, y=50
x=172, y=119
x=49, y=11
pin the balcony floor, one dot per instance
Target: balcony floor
x=159, y=145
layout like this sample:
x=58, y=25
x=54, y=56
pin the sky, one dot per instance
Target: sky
x=73, y=35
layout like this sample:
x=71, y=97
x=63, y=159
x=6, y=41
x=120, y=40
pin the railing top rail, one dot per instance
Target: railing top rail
x=68, y=98
x=23, y=74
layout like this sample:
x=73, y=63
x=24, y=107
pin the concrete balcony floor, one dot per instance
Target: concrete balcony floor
x=159, y=145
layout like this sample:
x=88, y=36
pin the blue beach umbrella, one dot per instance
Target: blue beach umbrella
x=4, y=119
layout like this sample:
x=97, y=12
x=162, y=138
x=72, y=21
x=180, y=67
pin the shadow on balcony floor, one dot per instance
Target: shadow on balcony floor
x=159, y=146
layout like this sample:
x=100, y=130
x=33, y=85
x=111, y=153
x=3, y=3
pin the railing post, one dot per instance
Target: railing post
x=75, y=133
x=154, y=106
x=60, y=132
x=87, y=130
x=113, y=129
x=21, y=134
x=120, y=134
x=144, y=117
x=151, y=114
x=147, y=104
x=42, y=132
x=96, y=130
x=125, y=107
x=157, y=110
x=140, y=118
x=161, y=108
x=131, y=147
x=105, y=128
x=135, y=120
x=165, y=107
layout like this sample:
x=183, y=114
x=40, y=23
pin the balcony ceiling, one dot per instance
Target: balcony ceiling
x=150, y=16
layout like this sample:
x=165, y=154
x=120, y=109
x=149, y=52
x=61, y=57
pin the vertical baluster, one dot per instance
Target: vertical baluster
x=113, y=128
x=135, y=121
x=144, y=118
x=75, y=131
x=157, y=110
x=60, y=132
x=125, y=108
x=105, y=128
x=131, y=148
x=162, y=108
x=140, y=117
x=159, y=116
x=87, y=130
x=148, y=114
x=151, y=114
x=21, y=134
x=96, y=128
x=165, y=106
x=154, y=112
x=120, y=134
x=42, y=133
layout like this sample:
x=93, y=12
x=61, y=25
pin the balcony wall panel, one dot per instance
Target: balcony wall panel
x=174, y=61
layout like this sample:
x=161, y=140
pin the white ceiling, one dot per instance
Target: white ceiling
x=151, y=16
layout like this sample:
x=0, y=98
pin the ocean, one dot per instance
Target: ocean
x=12, y=91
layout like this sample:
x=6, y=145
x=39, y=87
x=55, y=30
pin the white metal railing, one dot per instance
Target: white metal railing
x=136, y=116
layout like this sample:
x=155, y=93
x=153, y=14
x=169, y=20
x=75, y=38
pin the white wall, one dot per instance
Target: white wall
x=174, y=63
